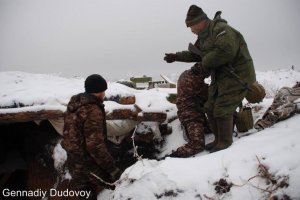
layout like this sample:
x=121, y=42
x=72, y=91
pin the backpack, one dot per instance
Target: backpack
x=256, y=93
x=244, y=120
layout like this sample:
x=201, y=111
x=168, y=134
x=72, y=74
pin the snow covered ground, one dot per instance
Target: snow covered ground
x=255, y=167
x=194, y=178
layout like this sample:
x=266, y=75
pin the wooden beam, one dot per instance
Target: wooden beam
x=152, y=116
x=54, y=114
x=121, y=114
x=124, y=100
x=30, y=116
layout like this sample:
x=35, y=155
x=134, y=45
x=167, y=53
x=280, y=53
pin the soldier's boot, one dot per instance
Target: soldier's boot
x=225, y=130
x=196, y=144
x=213, y=126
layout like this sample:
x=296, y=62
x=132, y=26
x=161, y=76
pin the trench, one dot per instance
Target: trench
x=26, y=161
x=25, y=156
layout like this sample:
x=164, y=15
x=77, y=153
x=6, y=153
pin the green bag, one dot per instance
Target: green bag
x=244, y=121
x=256, y=94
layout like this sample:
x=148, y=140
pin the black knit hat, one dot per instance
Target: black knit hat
x=95, y=84
x=194, y=15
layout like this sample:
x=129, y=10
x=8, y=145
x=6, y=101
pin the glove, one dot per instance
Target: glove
x=170, y=57
x=115, y=174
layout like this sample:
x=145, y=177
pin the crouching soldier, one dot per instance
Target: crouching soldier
x=284, y=106
x=84, y=138
x=191, y=95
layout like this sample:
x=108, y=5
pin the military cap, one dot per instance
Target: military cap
x=194, y=15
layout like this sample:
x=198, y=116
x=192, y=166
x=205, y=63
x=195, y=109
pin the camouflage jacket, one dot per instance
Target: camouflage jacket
x=221, y=45
x=85, y=131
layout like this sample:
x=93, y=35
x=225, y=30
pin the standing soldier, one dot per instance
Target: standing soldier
x=84, y=138
x=191, y=96
x=225, y=54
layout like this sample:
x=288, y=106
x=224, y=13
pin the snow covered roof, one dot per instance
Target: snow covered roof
x=26, y=92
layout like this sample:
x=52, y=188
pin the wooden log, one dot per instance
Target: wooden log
x=30, y=116
x=54, y=114
x=121, y=114
x=124, y=100
x=152, y=116
x=127, y=100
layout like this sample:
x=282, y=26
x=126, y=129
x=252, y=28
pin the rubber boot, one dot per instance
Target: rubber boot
x=225, y=130
x=214, y=128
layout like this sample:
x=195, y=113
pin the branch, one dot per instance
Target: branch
x=103, y=181
x=135, y=152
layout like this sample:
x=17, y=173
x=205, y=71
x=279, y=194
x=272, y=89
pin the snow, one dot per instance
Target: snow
x=276, y=147
x=59, y=156
x=52, y=92
x=274, y=80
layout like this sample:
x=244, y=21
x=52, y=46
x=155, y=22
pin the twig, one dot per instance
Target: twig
x=103, y=181
x=135, y=152
x=212, y=198
x=209, y=198
x=263, y=172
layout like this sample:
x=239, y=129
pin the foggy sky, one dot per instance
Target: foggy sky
x=119, y=39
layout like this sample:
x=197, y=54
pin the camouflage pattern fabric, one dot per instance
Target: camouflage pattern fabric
x=191, y=96
x=84, y=139
x=282, y=107
x=196, y=140
x=221, y=45
x=83, y=180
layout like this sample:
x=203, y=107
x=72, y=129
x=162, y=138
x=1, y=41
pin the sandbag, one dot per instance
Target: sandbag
x=244, y=121
x=117, y=130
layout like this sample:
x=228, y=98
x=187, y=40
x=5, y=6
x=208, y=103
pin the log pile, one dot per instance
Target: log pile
x=135, y=114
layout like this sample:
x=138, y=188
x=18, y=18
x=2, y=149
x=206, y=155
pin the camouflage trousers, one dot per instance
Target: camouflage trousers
x=196, y=143
x=191, y=96
x=82, y=180
x=192, y=93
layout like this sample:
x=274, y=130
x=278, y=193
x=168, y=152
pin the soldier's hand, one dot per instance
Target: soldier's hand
x=115, y=174
x=170, y=57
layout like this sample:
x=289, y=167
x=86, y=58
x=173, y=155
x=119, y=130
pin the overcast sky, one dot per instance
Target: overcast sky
x=119, y=39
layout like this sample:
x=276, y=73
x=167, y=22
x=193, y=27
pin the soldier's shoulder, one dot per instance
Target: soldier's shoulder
x=90, y=109
x=220, y=25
